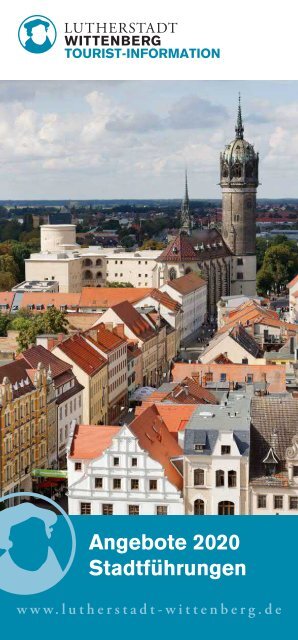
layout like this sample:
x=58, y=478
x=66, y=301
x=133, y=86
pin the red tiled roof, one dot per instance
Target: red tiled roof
x=275, y=375
x=106, y=297
x=82, y=354
x=179, y=250
x=153, y=436
x=90, y=441
x=106, y=339
x=187, y=284
x=71, y=300
x=250, y=313
x=163, y=298
x=174, y=416
x=38, y=353
x=134, y=320
x=17, y=371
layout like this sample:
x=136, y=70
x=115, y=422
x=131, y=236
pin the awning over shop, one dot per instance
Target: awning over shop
x=142, y=393
x=49, y=473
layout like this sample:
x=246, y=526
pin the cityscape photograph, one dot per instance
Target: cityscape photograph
x=149, y=296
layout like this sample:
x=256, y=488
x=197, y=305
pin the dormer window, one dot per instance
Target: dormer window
x=270, y=462
x=225, y=450
x=198, y=447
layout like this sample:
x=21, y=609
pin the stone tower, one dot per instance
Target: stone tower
x=239, y=181
x=185, y=217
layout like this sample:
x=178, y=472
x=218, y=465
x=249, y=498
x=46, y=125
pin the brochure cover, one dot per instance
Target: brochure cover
x=148, y=319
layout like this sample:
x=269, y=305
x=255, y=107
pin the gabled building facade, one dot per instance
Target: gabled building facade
x=125, y=470
x=216, y=458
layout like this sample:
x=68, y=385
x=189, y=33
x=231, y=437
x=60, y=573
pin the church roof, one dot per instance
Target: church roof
x=179, y=250
x=209, y=243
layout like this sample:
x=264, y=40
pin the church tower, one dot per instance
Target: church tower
x=185, y=217
x=239, y=181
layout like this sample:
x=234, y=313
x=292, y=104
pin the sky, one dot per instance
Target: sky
x=134, y=139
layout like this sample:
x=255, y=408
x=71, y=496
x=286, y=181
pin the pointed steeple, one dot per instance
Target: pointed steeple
x=239, y=129
x=185, y=217
x=186, y=196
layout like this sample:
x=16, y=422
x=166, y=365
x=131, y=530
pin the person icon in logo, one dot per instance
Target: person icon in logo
x=28, y=563
x=38, y=40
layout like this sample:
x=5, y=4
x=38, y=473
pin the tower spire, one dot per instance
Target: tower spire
x=239, y=125
x=186, y=196
x=185, y=217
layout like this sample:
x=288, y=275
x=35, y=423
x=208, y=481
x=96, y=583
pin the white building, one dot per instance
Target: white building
x=235, y=345
x=216, y=458
x=125, y=470
x=191, y=293
x=293, y=299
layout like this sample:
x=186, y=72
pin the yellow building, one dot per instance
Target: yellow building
x=26, y=428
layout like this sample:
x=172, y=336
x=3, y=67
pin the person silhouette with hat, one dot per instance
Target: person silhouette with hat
x=38, y=40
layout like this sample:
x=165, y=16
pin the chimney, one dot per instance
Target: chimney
x=118, y=330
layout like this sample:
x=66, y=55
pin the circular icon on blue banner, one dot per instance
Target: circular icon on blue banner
x=37, y=544
x=37, y=34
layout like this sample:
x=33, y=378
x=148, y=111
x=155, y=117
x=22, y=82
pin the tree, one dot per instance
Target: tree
x=280, y=265
x=152, y=244
x=4, y=322
x=9, y=265
x=52, y=321
x=7, y=281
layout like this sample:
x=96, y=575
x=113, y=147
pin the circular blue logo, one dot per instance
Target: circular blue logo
x=37, y=34
x=37, y=544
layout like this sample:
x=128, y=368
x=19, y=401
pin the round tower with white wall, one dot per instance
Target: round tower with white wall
x=54, y=237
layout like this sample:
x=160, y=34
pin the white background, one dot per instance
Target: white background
x=258, y=39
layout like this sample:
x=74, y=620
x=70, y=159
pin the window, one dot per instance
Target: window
x=98, y=483
x=262, y=501
x=85, y=508
x=134, y=462
x=295, y=472
x=161, y=511
x=116, y=462
x=232, y=479
x=198, y=477
x=225, y=449
x=198, y=447
x=220, y=478
x=239, y=276
x=249, y=378
x=226, y=508
x=199, y=507
x=223, y=377
x=278, y=502
x=293, y=502
x=240, y=261
x=133, y=510
x=116, y=483
x=152, y=485
x=134, y=485
x=78, y=466
x=107, y=509
x=172, y=274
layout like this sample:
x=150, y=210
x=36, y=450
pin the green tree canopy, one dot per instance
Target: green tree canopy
x=280, y=265
x=52, y=321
